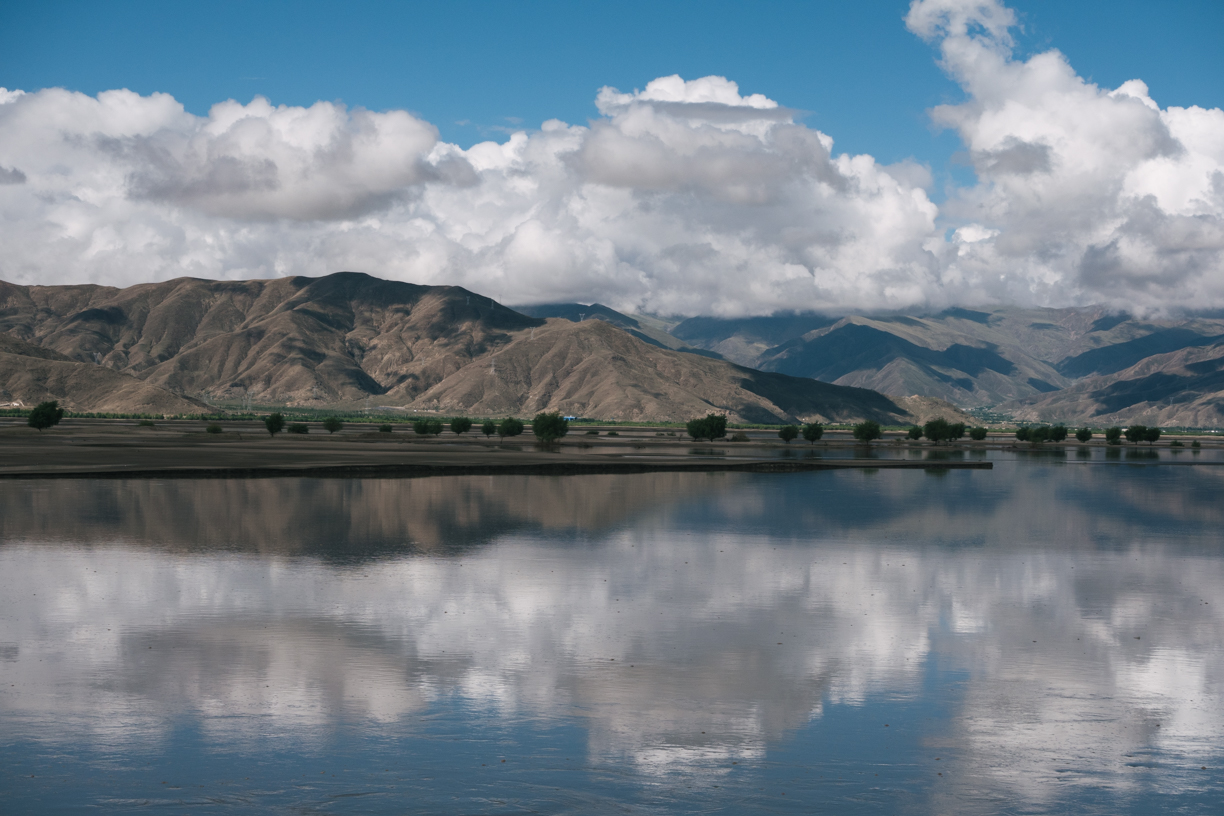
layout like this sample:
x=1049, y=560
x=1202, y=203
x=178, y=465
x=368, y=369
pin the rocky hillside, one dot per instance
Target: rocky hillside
x=1074, y=365
x=30, y=374
x=349, y=339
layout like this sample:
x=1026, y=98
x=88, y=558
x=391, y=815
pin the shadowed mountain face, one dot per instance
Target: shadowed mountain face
x=1181, y=388
x=1075, y=365
x=1119, y=356
x=348, y=338
x=744, y=340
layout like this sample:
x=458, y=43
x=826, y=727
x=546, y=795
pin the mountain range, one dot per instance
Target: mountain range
x=352, y=340
x=1075, y=365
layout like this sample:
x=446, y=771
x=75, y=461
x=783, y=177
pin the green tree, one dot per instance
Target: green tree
x=45, y=415
x=1083, y=434
x=1113, y=435
x=956, y=430
x=460, y=425
x=275, y=423
x=213, y=428
x=867, y=431
x=332, y=424
x=385, y=429
x=1022, y=434
x=488, y=428
x=914, y=433
x=1039, y=434
x=549, y=427
x=1136, y=433
x=427, y=427
x=509, y=427
x=1152, y=434
x=813, y=431
x=711, y=427
x=977, y=434
x=788, y=432
x=1058, y=433
x=938, y=430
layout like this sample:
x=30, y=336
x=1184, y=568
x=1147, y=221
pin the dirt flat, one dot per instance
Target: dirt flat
x=95, y=448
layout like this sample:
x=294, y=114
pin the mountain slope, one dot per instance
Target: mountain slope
x=643, y=328
x=594, y=369
x=30, y=375
x=1182, y=388
x=1044, y=363
x=290, y=340
x=350, y=338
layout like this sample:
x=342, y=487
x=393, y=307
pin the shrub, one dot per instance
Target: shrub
x=813, y=431
x=549, y=427
x=298, y=428
x=1176, y=443
x=275, y=423
x=867, y=431
x=977, y=434
x=711, y=427
x=427, y=427
x=739, y=436
x=213, y=428
x=787, y=433
x=1196, y=444
x=332, y=424
x=488, y=427
x=45, y=415
x=914, y=432
x=1113, y=435
x=460, y=425
x=1083, y=434
x=613, y=433
x=592, y=433
x=145, y=423
x=385, y=429
x=509, y=427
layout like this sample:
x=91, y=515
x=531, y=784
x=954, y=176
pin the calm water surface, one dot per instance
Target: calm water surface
x=1045, y=637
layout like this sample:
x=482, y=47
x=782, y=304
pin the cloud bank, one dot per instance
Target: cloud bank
x=685, y=197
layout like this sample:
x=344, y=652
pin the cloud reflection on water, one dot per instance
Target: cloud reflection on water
x=684, y=619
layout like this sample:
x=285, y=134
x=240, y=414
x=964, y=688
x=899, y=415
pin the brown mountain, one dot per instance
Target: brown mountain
x=1183, y=388
x=350, y=338
x=30, y=374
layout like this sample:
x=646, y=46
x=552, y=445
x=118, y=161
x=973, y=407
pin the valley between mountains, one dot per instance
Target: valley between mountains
x=349, y=340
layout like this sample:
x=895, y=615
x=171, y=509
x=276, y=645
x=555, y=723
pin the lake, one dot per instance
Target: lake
x=1043, y=637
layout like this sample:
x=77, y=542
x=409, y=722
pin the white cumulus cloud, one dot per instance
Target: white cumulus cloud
x=1088, y=194
x=685, y=197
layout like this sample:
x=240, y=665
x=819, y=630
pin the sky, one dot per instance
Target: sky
x=827, y=156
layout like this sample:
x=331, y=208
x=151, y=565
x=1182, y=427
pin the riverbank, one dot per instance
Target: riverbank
x=91, y=448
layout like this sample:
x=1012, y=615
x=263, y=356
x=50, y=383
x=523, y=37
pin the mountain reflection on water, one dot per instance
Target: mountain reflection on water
x=1051, y=632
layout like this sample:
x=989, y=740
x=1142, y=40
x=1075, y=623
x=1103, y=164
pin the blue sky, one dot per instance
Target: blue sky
x=475, y=68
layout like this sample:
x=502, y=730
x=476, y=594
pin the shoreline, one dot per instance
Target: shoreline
x=566, y=468
x=93, y=449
